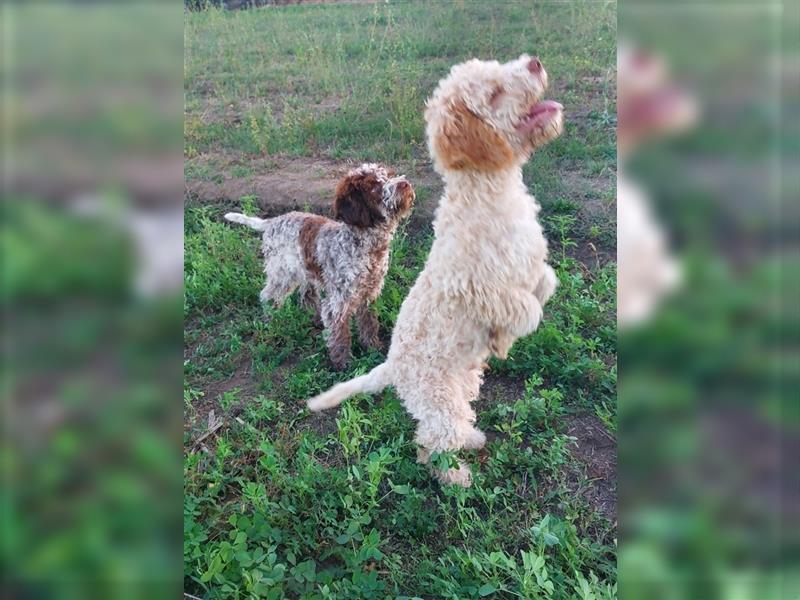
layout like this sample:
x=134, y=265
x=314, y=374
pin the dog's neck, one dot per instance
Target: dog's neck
x=377, y=235
x=473, y=188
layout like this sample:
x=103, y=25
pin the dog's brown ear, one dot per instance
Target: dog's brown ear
x=358, y=200
x=464, y=141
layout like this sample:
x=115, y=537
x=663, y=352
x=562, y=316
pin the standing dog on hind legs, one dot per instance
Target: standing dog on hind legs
x=486, y=278
x=347, y=258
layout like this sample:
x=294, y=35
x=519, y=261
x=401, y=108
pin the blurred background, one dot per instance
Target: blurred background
x=708, y=341
x=92, y=264
x=91, y=240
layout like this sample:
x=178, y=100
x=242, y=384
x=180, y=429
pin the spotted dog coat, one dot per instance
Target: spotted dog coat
x=338, y=264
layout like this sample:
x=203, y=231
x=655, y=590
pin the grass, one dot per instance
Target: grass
x=349, y=82
x=280, y=503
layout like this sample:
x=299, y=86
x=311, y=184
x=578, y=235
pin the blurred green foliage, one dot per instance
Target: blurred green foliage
x=89, y=451
x=708, y=392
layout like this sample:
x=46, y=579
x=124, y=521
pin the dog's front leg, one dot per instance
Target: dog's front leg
x=547, y=284
x=500, y=342
x=368, y=327
x=518, y=316
x=337, y=321
x=524, y=315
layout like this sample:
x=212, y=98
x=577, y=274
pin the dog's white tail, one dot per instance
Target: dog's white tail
x=254, y=222
x=372, y=382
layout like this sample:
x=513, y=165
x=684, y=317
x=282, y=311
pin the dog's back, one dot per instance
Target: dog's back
x=288, y=244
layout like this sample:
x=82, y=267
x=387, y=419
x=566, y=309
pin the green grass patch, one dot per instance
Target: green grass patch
x=291, y=505
x=283, y=504
x=350, y=81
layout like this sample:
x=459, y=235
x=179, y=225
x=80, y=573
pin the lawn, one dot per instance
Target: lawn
x=281, y=503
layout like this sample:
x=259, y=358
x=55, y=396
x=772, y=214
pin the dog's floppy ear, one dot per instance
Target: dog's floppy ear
x=463, y=141
x=357, y=201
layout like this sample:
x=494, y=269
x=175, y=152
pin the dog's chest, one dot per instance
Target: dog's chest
x=513, y=242
x=377, y=264
x=525, y=241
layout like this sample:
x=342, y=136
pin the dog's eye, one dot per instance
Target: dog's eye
x=496, y=95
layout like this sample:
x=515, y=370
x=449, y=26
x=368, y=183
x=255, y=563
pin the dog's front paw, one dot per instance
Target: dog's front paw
x=500, y=343
x=499, y=351
x=547, y=285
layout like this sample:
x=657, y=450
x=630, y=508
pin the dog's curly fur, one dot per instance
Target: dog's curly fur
x=339, y=265
x=486, y=278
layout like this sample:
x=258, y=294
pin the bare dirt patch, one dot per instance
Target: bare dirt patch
x=279, y=184
x=596, y=449
x=322, y=423
x=241, y=380
x=499, y=388
x=589, y=190
x=747, y=460
x=597, y=216
x=282, y=184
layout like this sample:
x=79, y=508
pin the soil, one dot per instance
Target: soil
x=596, y=449
x=285, y=184
x=279, y=185
x=749, y=461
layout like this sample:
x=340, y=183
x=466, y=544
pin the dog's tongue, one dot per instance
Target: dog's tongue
x=538, y=113
x=545, y=106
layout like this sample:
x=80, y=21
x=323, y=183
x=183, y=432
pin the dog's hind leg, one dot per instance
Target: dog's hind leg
x=460, y=475
x=282, y=280
x=277, y=291
x=446, y=425
x=474, y=438
x=311, y=299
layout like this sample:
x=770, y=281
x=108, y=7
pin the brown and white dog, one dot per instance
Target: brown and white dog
x=347, y=258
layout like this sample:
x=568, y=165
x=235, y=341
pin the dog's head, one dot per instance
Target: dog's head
x=370, y=195
x=488, y=116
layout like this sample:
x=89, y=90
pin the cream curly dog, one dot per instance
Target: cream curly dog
x=346, y=258
x=486, y=278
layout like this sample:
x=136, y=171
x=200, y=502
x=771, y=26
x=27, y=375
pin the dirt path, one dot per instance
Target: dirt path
x=285, y=184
